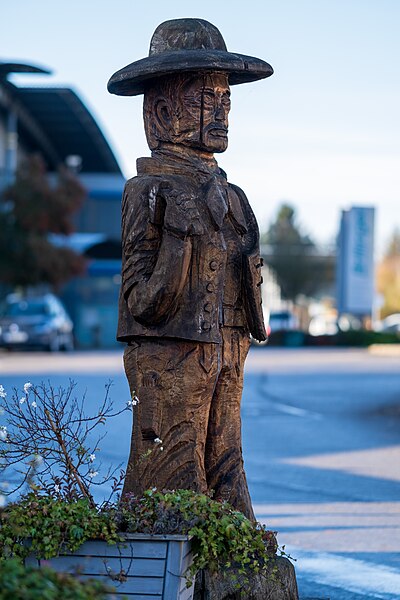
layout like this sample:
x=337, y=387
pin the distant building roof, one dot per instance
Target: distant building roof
x=70, y=128
x=11, y=67
x=57, y=123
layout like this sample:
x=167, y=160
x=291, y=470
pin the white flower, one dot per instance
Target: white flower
x=27, y=387
x=133, y=401
x=3, y=433
x=161, y=448
x=154, y=489
x=56, y=488
x=33, y=404
x=158, y=441
x=92, y=457
x=93, y=474
x=22, y=400
x=3, y=393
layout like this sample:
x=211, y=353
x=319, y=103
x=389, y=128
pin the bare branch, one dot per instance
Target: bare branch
x=48, y=441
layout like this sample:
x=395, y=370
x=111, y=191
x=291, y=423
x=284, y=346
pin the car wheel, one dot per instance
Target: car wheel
x=68, y=344
x=54, y=344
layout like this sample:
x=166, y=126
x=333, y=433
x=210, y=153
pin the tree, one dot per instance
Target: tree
x=293, y=257
x=30, y=210
x=388, y=276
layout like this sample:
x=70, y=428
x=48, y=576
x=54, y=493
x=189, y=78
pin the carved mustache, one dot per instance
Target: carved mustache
x=216, y=127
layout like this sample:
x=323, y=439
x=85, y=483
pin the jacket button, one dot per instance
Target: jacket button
x=210, y=287
x=205, y=325
x=208, y=307
x=213, y=265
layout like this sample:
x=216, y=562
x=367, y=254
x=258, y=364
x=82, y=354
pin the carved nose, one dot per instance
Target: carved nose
x=219, y=110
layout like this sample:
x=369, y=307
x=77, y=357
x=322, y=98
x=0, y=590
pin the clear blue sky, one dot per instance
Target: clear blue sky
x=323, y=132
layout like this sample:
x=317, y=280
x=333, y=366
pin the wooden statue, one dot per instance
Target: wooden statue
x=190, y=294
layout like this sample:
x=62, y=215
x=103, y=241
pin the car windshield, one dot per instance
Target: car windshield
x=24, y=308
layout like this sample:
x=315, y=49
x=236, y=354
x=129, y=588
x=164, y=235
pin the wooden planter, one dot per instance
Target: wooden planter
x=142, y=567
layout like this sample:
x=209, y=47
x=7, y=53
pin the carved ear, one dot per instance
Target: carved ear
x=163, y=115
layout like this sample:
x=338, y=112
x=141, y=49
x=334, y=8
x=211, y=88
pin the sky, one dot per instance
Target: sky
x=323, y=133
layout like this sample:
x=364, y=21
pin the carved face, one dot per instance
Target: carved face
x=205, y=105
x=190, y=110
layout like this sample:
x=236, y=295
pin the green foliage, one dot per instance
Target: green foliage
x=362, y=337
x=51, y=524
x=352, y=337
x=298, y=267
x=17, y=582
x=221, y=536
x=30, y=209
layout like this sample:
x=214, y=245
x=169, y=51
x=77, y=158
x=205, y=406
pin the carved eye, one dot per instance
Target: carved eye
x=192, y=99
x=226, y=100
x=208, y=99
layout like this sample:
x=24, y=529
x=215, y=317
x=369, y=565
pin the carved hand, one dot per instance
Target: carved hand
x=182, y=216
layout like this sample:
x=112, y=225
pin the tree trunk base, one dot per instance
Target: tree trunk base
x=281, y=585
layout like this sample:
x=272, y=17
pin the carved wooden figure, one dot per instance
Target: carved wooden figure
x=190, y=294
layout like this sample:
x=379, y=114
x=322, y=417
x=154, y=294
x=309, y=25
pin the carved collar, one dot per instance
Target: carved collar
x=219, y=200
x=179, y=160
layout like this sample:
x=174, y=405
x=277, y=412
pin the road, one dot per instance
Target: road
x=321, y=442
x=322, y=446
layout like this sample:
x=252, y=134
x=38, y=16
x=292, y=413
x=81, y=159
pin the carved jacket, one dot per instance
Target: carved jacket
x=198, y=270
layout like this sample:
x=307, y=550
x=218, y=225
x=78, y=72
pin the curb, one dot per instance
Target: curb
x=384, y=349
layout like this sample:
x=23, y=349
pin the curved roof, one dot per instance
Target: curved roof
x=55, y=122
x=11, y=67
x=70, y=128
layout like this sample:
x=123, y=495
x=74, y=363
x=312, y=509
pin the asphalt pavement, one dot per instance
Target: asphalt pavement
x=321, y=442
x=322, y=446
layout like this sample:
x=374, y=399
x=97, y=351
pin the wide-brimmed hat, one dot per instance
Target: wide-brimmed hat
x=186, y=45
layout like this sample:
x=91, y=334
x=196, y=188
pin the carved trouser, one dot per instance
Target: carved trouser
x=189, y=395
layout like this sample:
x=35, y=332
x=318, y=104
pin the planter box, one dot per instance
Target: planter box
x=152, y=566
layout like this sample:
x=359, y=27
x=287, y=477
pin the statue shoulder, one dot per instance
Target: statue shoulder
x=140, y=192
x=153, y=184
x=145, y=197
x=141, y=183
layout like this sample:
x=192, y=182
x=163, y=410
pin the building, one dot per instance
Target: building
x=355, y=266
x=55, y=122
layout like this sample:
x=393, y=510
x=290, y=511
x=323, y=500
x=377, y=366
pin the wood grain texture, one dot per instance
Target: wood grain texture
x=220, y=586
x=190, y=296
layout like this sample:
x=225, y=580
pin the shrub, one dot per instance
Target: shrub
x=18, y=582
x=51, y=524
x=221, y=536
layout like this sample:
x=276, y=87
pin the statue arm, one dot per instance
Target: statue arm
x=155, y=260
x=252, y=263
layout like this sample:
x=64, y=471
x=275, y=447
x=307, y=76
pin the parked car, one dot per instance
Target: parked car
x=35, y=321
x=282, y=320
x=391, y=323
x=323, y=325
